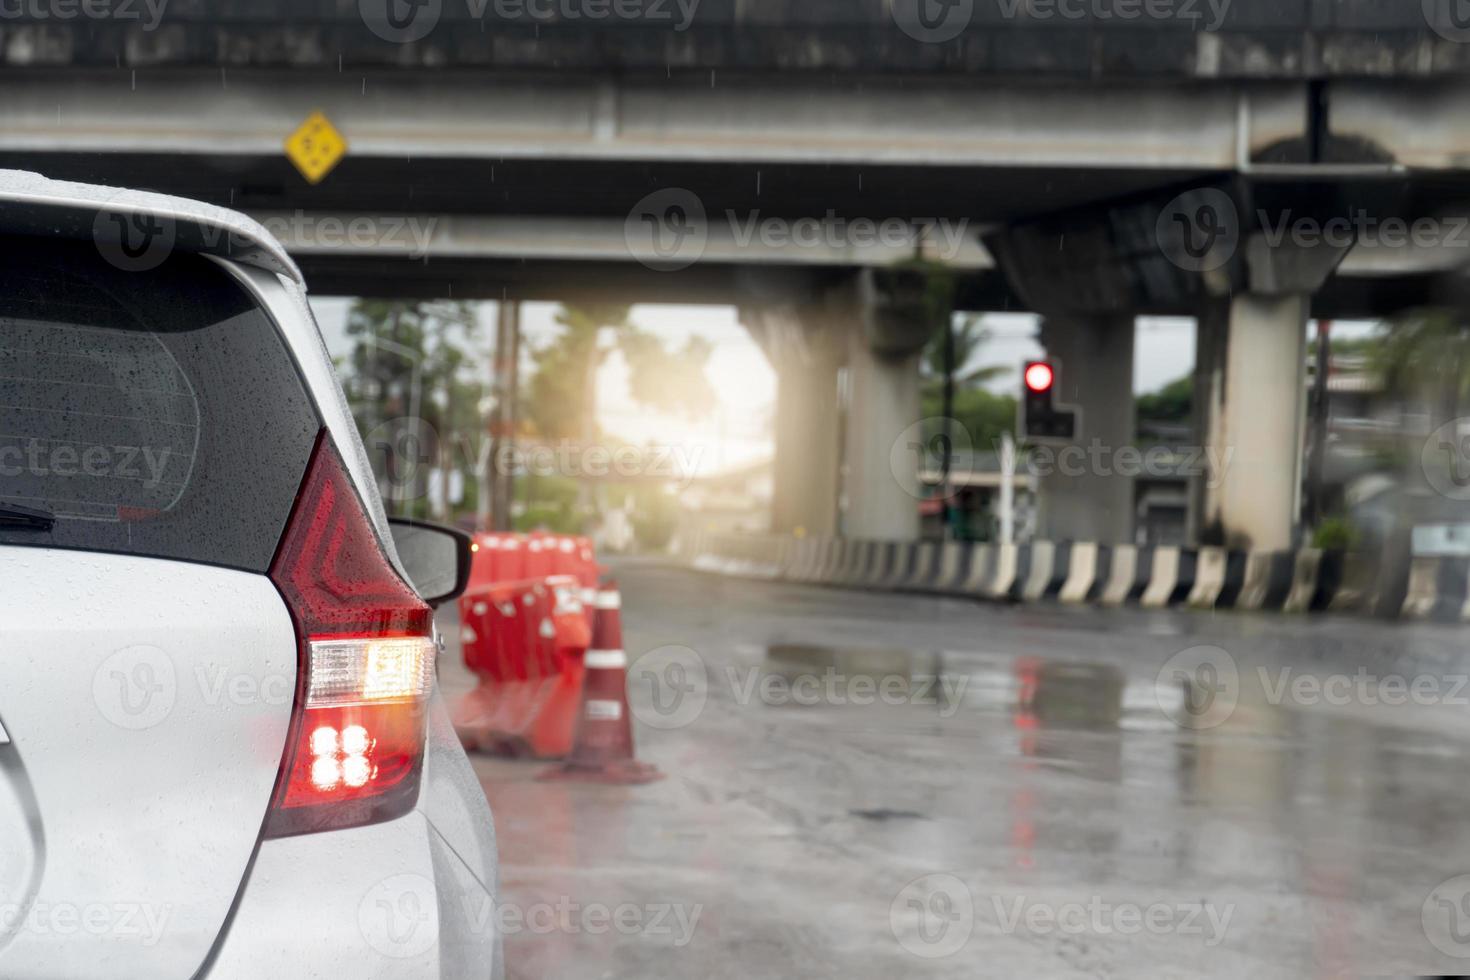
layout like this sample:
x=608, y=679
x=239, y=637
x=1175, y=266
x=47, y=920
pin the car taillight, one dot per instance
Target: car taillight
x=365, y=664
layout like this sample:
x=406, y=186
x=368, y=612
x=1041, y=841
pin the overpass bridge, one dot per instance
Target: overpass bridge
x=648, y=149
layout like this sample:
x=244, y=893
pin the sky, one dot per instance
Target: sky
x=745, y=386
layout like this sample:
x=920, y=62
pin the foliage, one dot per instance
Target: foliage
x=919, y=290
x=970, y=337
x=549, y=502
x=416, y=358
x=1335, y=534
x=984, y=415
x=562, y=395
x=655, y=517
x=558, y=520
x=1426, y=356
x=562, y=392
x=1172, y=403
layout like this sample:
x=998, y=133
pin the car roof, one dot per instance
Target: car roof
x=31, y=203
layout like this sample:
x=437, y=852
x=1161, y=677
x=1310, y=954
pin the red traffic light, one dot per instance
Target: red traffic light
x=1040, y=377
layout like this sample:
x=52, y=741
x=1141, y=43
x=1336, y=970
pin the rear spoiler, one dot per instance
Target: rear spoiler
x=135, y=226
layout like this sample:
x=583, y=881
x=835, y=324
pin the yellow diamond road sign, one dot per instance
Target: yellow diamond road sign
x=316, y=147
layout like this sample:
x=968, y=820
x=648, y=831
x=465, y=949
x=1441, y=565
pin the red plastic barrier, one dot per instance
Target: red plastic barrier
x=524, y=638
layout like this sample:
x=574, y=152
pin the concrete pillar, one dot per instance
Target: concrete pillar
x=854, y=462
x=1212, y=330
x=1252, y=395
x=808, y=446
x=882, y=402
x=1255, y=438
x=1089, y=493
x=793, y=321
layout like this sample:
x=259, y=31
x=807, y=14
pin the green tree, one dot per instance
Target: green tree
x=414, y=360
x=563, y=390
x=562, y=396
x=970, y=337
x=984, y=415
x=1424, y=357
x=1172, y=403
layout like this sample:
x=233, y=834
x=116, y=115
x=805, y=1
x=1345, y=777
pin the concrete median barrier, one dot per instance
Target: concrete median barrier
x=1088, y=573
x=1438, y=589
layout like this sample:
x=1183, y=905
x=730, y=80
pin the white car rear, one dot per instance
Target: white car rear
x=222, y=753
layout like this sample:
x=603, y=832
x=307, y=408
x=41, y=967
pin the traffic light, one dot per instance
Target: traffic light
x=1042, y=419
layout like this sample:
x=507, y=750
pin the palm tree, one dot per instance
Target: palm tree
x=970, y=336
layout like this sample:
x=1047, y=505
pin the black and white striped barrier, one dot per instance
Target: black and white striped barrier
x=1439, y=589
x=1087, y=573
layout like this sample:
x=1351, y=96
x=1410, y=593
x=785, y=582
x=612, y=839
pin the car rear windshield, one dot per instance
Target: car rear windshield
x=150, y=413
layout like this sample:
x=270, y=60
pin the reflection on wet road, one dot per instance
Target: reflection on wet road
x=876, y=786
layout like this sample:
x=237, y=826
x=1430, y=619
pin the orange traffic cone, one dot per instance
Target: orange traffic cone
x=603, y=749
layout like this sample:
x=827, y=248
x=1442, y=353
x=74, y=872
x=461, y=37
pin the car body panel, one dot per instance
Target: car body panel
x=147, y=703
x=385, y=901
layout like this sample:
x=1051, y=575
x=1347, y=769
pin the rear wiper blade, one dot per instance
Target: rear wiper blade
x=15, y=517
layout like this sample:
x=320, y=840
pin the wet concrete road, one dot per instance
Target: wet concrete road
x=1079, y=794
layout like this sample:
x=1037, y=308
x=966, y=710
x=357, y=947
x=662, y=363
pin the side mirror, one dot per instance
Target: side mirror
x=436, y=558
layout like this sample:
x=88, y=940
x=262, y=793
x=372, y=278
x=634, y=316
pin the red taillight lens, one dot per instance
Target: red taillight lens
x=365, y=664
